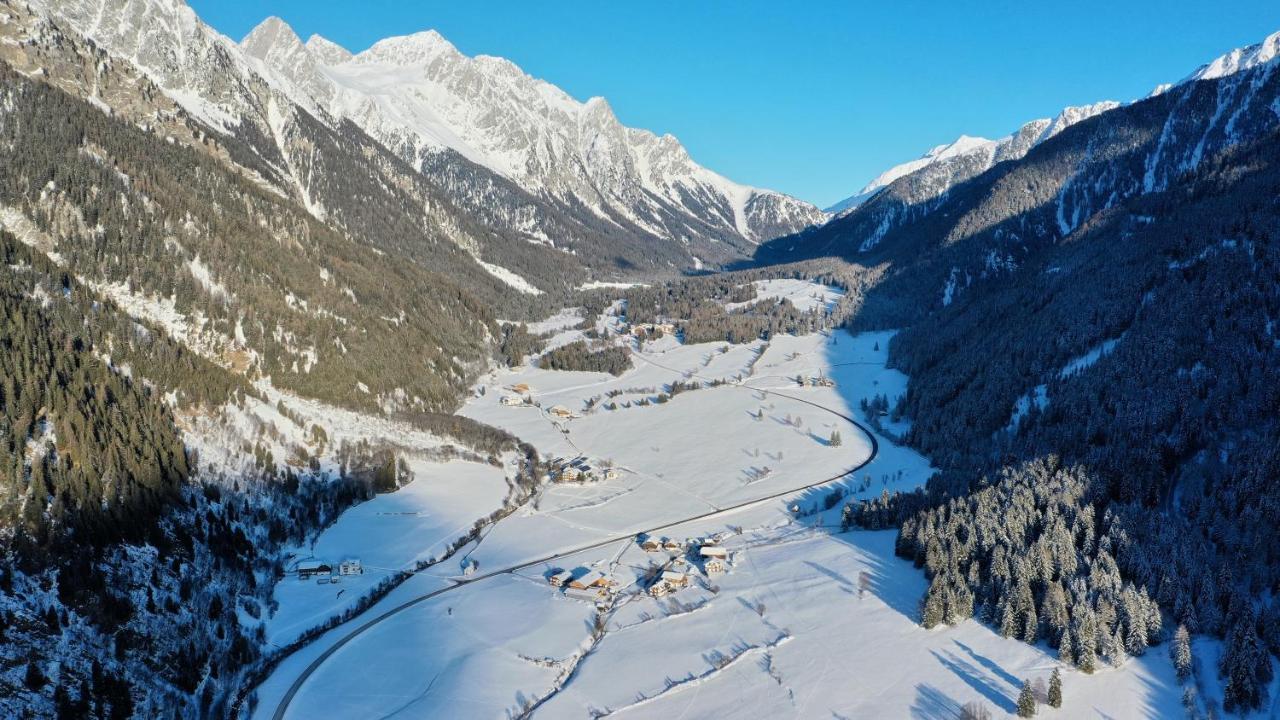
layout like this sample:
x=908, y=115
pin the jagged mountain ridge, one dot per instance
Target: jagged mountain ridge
x=946, y=165
x=419, y=94
x=910, y=202
x=981, y=228
x=598, y=216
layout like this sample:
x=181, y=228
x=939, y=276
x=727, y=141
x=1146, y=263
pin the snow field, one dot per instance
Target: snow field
x=807, y=622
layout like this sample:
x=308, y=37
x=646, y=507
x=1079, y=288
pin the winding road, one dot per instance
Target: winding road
x=283, y=706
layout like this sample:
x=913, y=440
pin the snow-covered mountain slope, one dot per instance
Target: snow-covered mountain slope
x=502, y=159
x=973, y=216
x=945, y=165
x=1238, y=60
x=420, y=96
x=971, y=151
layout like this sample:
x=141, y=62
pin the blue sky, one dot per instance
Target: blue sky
x=812, y=99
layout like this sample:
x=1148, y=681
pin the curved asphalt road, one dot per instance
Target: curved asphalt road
x=283, y=706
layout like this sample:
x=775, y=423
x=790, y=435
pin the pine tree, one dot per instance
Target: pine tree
x=933, y=611
x=1026, y=701
x=1086, y=650
x=1055, y=689
x=1180, y=653
x=34, y=677
x=1066, y=650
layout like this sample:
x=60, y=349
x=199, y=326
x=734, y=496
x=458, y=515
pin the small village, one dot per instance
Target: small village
x=682, y=561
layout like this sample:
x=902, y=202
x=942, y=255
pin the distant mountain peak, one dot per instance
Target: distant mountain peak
x=1238, y=60
x=419, y=48
x=272, y=35
x=327, y=51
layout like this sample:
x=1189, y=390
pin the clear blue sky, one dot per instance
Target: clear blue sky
x=811, y=99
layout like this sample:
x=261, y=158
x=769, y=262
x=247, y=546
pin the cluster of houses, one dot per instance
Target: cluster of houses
x=675, y=575
x=819, y=381
x=580, y=469
x=325, y=573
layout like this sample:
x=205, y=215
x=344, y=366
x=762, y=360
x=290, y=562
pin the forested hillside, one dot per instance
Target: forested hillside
x=253, y=280
x=1109, y=301
x=145, y=286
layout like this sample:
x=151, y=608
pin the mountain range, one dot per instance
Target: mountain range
x=242, y=280
x=519, y=155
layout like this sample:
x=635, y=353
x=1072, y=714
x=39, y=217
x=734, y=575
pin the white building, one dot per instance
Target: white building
x=350, y=566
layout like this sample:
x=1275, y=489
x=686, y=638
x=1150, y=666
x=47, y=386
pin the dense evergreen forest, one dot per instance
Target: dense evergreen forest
x=1142, y=351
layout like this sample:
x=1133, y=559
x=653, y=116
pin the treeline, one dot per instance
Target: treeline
x=613, y=359
x=697, y=304
x=1029, y=556
x=516, y=343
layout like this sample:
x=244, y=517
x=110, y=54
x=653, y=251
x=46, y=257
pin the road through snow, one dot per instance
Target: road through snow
x=283, y=706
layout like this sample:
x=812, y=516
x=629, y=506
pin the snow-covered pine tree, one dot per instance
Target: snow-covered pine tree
x=1180, y=653
x=1026, y=701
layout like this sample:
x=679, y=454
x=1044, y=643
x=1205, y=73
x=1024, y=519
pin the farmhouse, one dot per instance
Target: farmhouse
x=651, y=544
x=307, y=568
x=520, y=389
x=512, y=400
x=592, y=579
x=561, y=412
x=661, y=328
x=675, y=580
x=579, y=468
x=713, y=551
x=350, y=566
x=672, y=545
x=560, y=578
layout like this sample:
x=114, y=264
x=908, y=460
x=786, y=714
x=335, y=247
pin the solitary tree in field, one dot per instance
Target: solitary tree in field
x=835, y=438
x=1055, y=689
x=1026, y=701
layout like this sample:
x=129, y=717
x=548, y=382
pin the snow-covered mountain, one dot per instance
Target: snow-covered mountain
x=983, y=205
x=945, y=165
x=517, y=157
x=420, y=96
x=979, y=153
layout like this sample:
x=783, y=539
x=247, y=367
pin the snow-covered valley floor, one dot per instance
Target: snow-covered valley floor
x=806, y=622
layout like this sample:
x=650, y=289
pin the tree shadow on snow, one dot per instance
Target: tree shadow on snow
x=933, y=704
x=991, y=666
x=845, y=583
x=978, y=679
